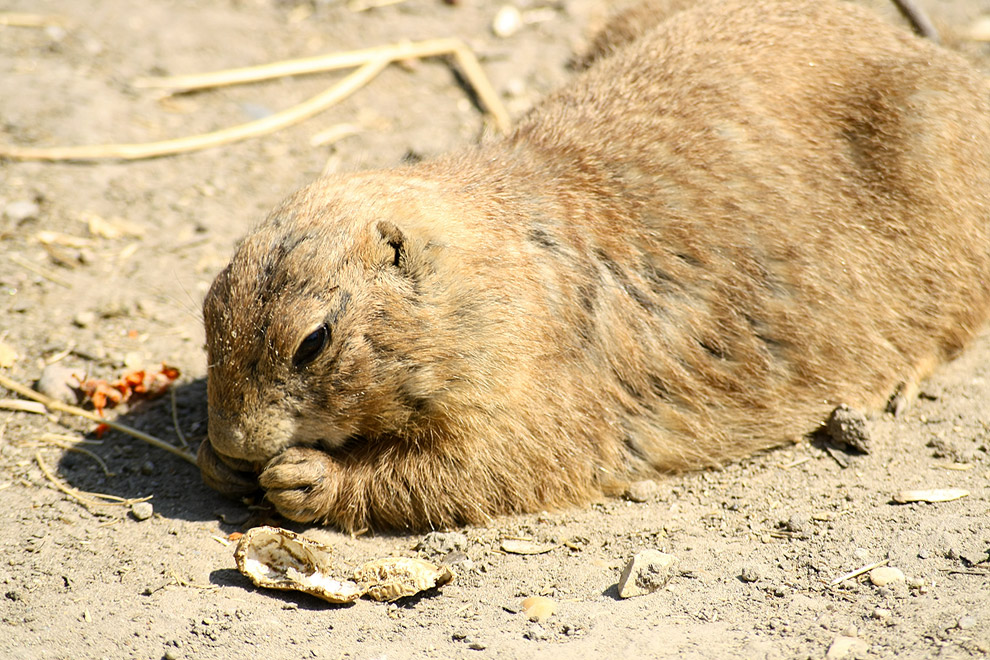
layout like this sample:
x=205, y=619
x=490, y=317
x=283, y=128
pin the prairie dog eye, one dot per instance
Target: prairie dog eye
x=311, y=346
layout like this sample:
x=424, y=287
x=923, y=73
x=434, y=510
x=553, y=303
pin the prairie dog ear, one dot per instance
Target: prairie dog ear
x=395, y=239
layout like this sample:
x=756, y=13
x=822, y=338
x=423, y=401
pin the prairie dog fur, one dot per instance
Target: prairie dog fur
x=752, y=213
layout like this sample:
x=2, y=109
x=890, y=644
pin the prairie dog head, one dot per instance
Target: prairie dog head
x=322, y=328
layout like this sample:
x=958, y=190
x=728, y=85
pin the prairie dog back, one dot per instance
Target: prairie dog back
x=756, y=211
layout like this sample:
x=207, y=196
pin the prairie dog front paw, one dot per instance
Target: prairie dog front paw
x=301, y=483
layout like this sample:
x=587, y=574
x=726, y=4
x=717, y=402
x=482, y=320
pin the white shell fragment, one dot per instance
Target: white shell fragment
x=933, y=495
x=525, y=547
x=397, y=577
x=277, y=558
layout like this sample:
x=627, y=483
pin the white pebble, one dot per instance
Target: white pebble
x=843, y=646
x=507, y=21
x=884, y=575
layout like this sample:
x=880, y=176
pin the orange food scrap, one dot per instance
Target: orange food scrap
x=139, y=384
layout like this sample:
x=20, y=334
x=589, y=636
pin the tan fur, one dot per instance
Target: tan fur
x=759, y=210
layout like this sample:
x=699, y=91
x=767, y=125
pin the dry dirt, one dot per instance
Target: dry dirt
x=758, y=542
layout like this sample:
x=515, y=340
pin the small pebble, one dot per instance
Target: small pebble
x=916, y=582
x=797, y=523
x=539, y=608
x=84, y=319
x=8, y=355
x=642, y=491
x=477, y=646
x=750, y=573
x=646, y=572
x=458, y=561
x=142, y=510
x=882, y=614
x=844, y=646
x=59, y=382
x=508, y=21
x=147, y=468
x=884, y=575
x=966, y=622
x=21, y=210
x=170, y=654
x=536, y=632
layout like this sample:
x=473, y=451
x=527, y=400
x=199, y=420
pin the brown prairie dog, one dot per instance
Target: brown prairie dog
x=756, y=211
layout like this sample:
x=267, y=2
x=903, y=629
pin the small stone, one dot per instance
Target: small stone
x=508, y=21
x=797, y=523
x=750, y=573
x=885, y=575
x=966, y=622
x=916, y=583
x=142, y=510
x=84, y=319
x=441, y=544
x=882, y=614
x=477, y=646
x=642, y=491
x=779, y=591
x=147, y=468
x=170, y=654
x=21, y=210
x=539, y=608
x=536, y=633
x=458, y=561
x=59, y=382
x=975, y=557
x=8, y=356
x=646, y=572
x=848, y=426
x=843, y=647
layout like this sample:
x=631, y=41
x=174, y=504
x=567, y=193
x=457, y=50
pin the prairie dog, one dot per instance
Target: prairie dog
x=754, y=212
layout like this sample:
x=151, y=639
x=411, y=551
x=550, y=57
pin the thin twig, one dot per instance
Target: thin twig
x=392, y=53
x=175, y=420
x=919, y=20
x=86, y=498
x=17, y=19
x=270, y=124
x=58, y=406
x=19, y=405
x=24, y=263
x=858, y=572
x=72, y=445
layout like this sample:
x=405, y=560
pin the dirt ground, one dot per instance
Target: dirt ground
x=119, y=286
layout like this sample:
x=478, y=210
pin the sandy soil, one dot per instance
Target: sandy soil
x=758, y=543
